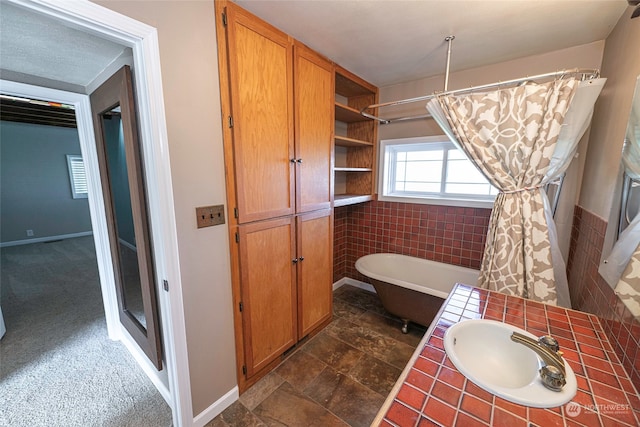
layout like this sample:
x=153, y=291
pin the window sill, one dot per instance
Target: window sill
x=467, y=203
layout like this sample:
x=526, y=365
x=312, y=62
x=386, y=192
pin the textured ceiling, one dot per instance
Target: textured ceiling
x=35, y=45
x=393, y=41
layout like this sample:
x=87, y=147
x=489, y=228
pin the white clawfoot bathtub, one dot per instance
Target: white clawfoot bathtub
x=413, y=288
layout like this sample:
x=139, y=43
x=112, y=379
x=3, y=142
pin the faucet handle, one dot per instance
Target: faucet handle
x=552, y=377
x=550, y=342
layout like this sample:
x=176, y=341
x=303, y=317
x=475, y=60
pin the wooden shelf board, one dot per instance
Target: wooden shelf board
x=343, y=141
x=352, y=85
x=347, y=169
x=347, y=114
x=347, y=87
x=350, y=199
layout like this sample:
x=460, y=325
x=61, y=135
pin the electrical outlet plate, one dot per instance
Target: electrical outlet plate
x=206, y=216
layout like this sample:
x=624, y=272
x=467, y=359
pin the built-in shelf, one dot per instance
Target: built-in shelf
x=348, y=87
x=350, y=199
x=339, y=169
x=346, y=114
x=343, y=141
x=355, y=146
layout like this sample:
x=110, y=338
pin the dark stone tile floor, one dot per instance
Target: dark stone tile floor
x=340, y=377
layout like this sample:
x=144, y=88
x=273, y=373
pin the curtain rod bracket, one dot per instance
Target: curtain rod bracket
x=448, y=39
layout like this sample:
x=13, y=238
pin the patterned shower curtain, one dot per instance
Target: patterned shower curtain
x=510, y=135
x=628, y=288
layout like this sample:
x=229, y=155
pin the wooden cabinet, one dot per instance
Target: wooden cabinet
x=269, y=301
x=286, y=268
x=313, y=99
x=282, y=121
x=278, y=111
x=315, y=270
x=355, y=140
x=261, y=90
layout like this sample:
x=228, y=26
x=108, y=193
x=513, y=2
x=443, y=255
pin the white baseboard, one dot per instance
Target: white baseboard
x=216, y=408
x=158, y=378
x=353, y=282
x=45, y=239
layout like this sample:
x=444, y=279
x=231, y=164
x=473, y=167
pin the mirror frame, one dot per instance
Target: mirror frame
x=118, y=90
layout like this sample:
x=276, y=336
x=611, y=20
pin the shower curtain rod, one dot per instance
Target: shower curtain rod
x=585, y=74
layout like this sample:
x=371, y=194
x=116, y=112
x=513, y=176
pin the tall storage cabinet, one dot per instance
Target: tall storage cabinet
x=313, y=119
x=278, y=108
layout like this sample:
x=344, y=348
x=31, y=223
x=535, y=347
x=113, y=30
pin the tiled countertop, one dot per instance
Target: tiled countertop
x=431, y=391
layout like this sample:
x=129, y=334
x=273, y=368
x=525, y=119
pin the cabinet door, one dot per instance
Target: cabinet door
x=315, y=270
x=268, y=290
x=314, y=121
x=261, y=85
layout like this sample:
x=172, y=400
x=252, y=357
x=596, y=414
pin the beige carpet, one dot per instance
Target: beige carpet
x=57, y=365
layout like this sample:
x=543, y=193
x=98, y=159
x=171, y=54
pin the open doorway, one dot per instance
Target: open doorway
x=57, y=342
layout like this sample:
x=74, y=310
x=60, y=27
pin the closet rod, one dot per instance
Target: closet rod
x=585, y=74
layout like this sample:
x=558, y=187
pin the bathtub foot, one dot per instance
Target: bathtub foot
x=405, y=326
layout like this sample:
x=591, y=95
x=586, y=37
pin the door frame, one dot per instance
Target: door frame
x=143, y=40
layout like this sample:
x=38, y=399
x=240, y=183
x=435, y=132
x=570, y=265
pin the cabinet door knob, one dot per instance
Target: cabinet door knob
x=292, y=160
x=295, y=260
x=301, y=258
x=299, y=160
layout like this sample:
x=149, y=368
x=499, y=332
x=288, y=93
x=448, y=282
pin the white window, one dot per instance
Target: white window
x=77, y=177
x=431, y=170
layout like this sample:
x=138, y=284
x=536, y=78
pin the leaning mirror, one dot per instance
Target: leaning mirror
x=122, y=179
x=621, y=269
x=124, y=228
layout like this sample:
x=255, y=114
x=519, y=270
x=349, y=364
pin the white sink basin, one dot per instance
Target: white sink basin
x=482, y=350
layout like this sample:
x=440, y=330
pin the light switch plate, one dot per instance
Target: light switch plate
x=206, y=216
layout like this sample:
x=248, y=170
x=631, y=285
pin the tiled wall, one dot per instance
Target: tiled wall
x=452, y=235
x=456, y=235
x=340, y=220
x=590, y=292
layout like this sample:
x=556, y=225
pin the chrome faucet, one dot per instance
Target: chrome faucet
x=553, y=372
